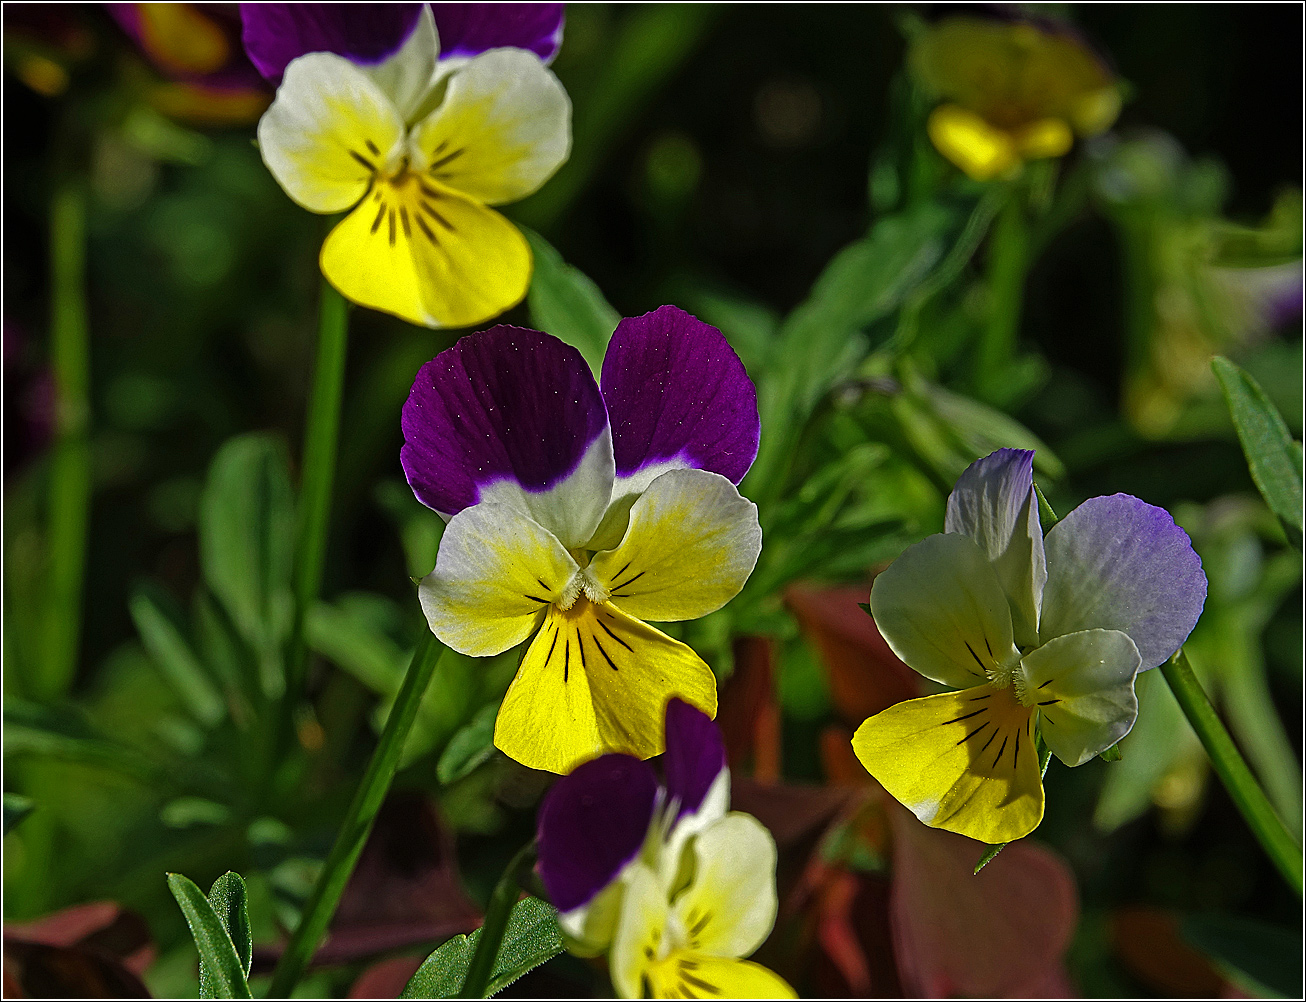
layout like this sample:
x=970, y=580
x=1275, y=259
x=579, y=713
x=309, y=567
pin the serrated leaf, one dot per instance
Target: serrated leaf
x=16, y=808
x=246, y=532
x=566, y=303
x=469, y=747
x=531, y=938
x=222, y=974
x=230, y=903
x=1274, y=459
x=176, y=661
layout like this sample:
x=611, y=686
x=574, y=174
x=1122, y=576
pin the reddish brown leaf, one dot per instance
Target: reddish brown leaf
x=1001, y=933
x=385, y=979
x=95, y=950
x=748, y=712
x=865, y=676
x=793, y=813
x=1147, y=940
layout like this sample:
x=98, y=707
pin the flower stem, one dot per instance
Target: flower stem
x=330, y=884
x=1233, y=771
x=321, y=435
x=70, y=461
x=505, y=895
x=1008, y=265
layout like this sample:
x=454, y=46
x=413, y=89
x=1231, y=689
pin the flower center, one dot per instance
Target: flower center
x=583, y=582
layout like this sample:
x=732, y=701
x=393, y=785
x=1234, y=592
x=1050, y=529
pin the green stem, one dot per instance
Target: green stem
x=70, y=463
x=1233, y=771
x=505, y=895
x=321, y=436
x=1008, y=265
x=330, y=884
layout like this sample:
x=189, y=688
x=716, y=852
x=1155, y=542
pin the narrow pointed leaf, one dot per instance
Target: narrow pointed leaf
x=229, y=902
x=222, y=974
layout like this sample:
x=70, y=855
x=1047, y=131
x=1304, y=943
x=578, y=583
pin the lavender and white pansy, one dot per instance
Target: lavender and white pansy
x=1041, y=637
x=662, y=876
x=418, y=118
x=580, y=512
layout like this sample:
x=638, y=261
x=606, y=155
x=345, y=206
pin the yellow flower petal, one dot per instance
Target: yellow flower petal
x=692, y=542
x=327, y=132
x=1048, y=137
x=729, y=909
x=502, y=129
x=694, y=976
x=641, y=929
x=596, y=680
x=963, y=761
x=496, y=571
x=971, y=143
x=427, y=254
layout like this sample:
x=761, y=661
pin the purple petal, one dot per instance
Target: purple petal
x=591, y=824
x=467, y=29
x=1118, y=563
x=695, y=754
x=994, y=504
x=677, y=392
x=367, y=33
x=507, y=404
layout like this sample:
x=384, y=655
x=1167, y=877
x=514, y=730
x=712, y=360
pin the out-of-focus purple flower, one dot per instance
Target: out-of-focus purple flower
x=369, y=33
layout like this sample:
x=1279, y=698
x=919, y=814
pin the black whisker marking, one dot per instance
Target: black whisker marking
x=447, y=158
x=694, y=930
x=700, y=983
x=430, y=210
x=380, y=214
x=615, y=637
x=1049, y=702
x=996, y=732
x=566, y=664
x=963, y=717
x=626, y=584
x=363, y=160
x=988, y=648
x=403, y=216
x=425, y=229
x=977, y=698
x=975, y=656
x=609, y=660
x=1015, y=756
x=1048, y=682
x=974, y=732
x=1001, y=750
x=392, y=227
x=580, y=648
x=623, y=569
x=549, y=657
x=542, y=601
x=372, y=146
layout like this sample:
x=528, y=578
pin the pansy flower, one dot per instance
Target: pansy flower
x=576, y=513
x=414, y=119
x=1010, y=91
x=1041, y=638
x=661, y=876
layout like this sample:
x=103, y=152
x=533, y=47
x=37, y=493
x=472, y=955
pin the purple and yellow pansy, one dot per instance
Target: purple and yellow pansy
x=414, y=119
x=1040, y=638
x=662, y=876
x=577, y=511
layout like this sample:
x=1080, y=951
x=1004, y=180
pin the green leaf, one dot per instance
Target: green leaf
x=564, y=302
x=819, y=343
x=16, y=808
x=176, y=661
x=1112, y=754
x=247, y=530
x=1269, y=955
x=222, y=973
x=532, y=937
x=63, y=733
x=1274, y=458
x=469, y=747
x=229, y=901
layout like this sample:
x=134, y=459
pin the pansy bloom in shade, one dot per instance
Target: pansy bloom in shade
x=661, y=876
x=576, y=513
x=1010, y=91
x=1041, y=638
x=414, y=119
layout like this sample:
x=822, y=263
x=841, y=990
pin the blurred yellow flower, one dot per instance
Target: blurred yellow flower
x=1010, y=91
